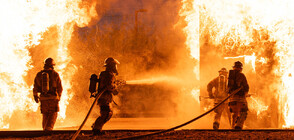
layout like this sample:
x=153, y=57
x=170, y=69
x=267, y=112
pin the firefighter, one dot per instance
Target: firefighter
x=106, y=81
x=220, y=87
x=237, y=103
x=48, y=84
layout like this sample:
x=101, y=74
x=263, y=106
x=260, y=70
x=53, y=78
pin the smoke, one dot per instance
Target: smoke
x=242, y=35
x=151, y=49
x=53, y=43
x=147, y=38
x=154, y=60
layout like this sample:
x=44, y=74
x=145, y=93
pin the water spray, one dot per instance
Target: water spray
x=153, y=80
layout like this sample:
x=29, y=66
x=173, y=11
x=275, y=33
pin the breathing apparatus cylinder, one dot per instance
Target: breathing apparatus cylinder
x=45, y=82
x=222, y=84
x=93, y=84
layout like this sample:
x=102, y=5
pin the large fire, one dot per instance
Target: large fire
x=190, y=12
x=23, y=23
x=258, y=31
x=259, y=28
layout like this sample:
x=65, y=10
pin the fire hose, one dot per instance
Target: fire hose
x=181, y=125
x=89, y=112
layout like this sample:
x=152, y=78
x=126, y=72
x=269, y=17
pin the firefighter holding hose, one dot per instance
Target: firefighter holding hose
x=106, y=82
x=237, y=103
x=220, y=87
x=48, y=83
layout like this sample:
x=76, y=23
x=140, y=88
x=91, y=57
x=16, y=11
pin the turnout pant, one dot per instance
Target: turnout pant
x=49, y=120
x=219, y=111
x=239, y=113
x=49, y=110
x=105, y=115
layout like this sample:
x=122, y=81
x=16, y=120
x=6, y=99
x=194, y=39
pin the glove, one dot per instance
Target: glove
x=115, y=92
x=93, y=95
x=36, y=99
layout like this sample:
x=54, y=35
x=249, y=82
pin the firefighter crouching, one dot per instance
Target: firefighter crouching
x=48, y=84
x=106, y=81
x=220, y=85
x=237, y=103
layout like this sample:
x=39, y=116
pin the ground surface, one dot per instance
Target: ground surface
x=118, y=128
x=179, y=134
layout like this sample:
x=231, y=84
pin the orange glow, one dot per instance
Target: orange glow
x=23, y=23
x=234, y=27
x=196, y=94
x=190, y=12
x=249, y=59
x=257, y=105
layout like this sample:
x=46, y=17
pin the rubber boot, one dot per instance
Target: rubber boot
x=97, y=132
x=215, y=125
x=238, y=128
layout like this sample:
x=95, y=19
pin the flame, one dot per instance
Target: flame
x=287, y=94
x=249, y=59
x=257, y=105
x=23, y=23
x=66, y=71
x=190, y=12
x=262, y=27
x=196, y=94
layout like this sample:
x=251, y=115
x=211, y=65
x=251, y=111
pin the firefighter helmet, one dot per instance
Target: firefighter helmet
x=49, y=62
x=223, y=70
x=110, y=61
x=238, y=64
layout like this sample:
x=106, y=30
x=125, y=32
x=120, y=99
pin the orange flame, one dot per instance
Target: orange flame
x=196, y=94
x=249, y=59
x=22, y=26
x=234, y=25
x=257, y=105
x=190, y=12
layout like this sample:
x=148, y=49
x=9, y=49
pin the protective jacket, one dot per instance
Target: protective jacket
x=49, y=97
x=107, y=81
x=237, y=80
x=220, y=85
x=55, y=86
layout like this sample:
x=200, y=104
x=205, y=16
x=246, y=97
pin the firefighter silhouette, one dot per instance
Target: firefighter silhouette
x=106, y=81
x=220, y=92
x=238, y=103
x=48, y=83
